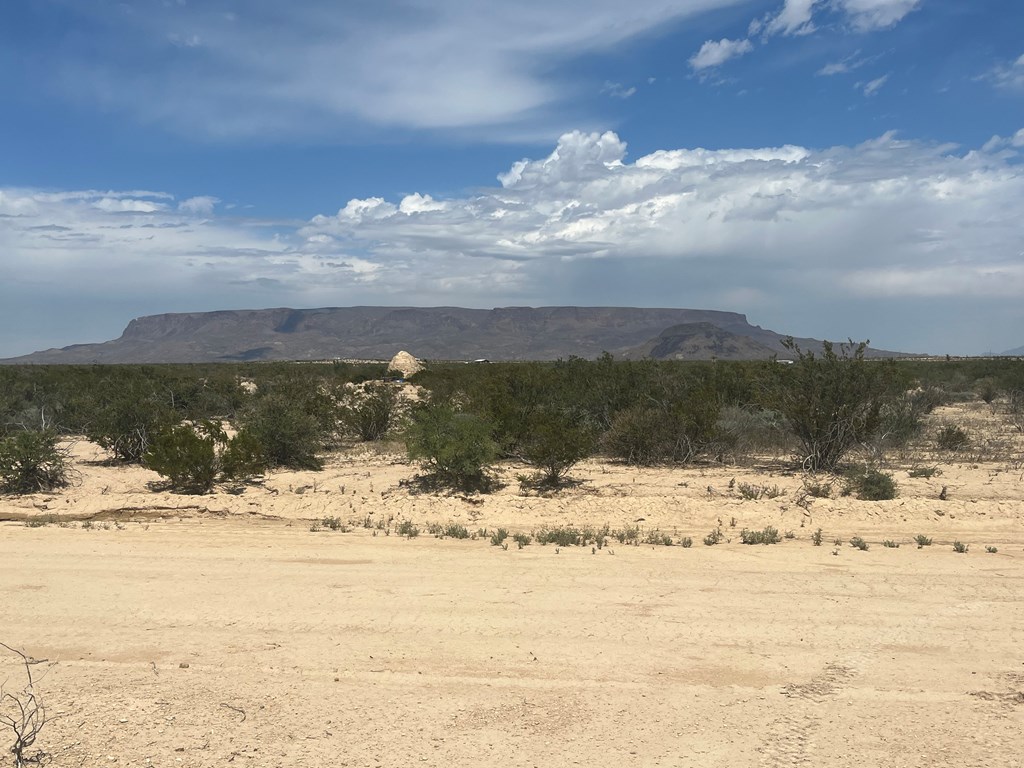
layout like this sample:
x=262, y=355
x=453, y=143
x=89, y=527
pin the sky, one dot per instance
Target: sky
x=831, y=168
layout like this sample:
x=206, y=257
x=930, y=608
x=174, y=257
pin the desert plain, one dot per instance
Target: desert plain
x=236, y=628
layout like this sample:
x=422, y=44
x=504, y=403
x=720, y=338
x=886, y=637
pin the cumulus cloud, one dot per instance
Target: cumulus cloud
x=840, y=240
x=716, y=52
x=202, y=205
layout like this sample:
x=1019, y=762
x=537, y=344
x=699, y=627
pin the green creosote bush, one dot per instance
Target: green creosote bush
x=290, y=430
x=869, y=484
x=126, y=423
x=196, y=457
x=455, y=449
x=922, y=541
x=769, y=535
x=554, y=443
x=32, y=461
x=834, y=402
x=952, y=438
x=522, y=539
x=369, y=412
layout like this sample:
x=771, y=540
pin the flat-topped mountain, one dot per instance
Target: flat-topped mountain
x=440, y=333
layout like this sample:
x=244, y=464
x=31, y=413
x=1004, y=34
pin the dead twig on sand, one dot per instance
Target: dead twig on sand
x=23, y=712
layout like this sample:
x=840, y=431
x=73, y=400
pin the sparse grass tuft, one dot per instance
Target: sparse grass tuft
x=756, y=492
x=769, y=535
x=498, y=537
x=890, y=544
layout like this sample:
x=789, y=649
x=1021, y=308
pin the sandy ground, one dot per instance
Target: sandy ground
x=202, y=631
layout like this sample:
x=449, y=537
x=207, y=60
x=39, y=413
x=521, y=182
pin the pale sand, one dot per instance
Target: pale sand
x=362, y=650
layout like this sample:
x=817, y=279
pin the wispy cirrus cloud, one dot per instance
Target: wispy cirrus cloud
x=1009, y=76
x=320, y=69
x=864, y=234
x=872, y=87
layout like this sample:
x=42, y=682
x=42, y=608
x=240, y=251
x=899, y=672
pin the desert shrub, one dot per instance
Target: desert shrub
x=988, y=389
x=769, y=535
x=456, y=449
x=287, y=432
x=499, y=536
x=713, y=538
x=640, y=436
x=922, y=541
x=194, y=457
x=742, y=431
x=991, y=550
x=952, y=438
x=522, y=539
x=870, y=484
x=187, y=456
x=408, y=529
x=890, y=544
x=1015, y=408
x=817, y=537
x=370, y=411
x=455, y=531
x=554, y=443
x=32, y=461
x=858, y=543
x=834, y=402
x=818, y=489
x=126, y=422
x=755, y=492
x=960, y=547
x=562, y=536
x=926, y=472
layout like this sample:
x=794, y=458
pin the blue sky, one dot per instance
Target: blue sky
x=832, y=168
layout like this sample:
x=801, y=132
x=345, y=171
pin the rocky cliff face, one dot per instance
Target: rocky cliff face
x=440, y=333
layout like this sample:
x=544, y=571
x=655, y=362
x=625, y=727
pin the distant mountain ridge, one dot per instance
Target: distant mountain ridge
x=440, y=333
x=1017, y=352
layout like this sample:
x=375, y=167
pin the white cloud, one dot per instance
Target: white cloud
x=872, y=87
x=868, y=15
x=618, y=90
x=202, y=205
x=716, y=52
x=325, y=68
x=793, y=19
x=1009, y=76
x=843, y=66
x=858, y=233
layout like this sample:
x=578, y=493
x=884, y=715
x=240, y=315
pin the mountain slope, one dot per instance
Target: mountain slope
x=700, y=341
x=447, y=333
